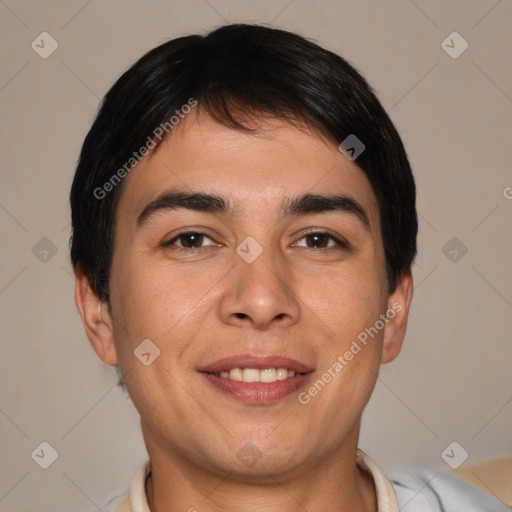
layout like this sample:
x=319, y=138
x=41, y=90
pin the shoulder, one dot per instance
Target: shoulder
x=425, y=489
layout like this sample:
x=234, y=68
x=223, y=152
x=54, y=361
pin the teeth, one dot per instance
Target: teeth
x=268, y=375
x=255, y=375
x=251, y=375
x=282, y=373
x=236, y=374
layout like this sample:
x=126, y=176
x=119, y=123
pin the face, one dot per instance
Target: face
x=252, y=298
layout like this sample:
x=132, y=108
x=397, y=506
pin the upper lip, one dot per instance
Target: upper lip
x=259, y=362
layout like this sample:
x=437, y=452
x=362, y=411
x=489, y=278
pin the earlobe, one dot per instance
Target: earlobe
x=96, y=319
x=398, y=312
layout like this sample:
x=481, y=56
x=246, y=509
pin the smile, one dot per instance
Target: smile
x=256, y=375
x=255, y=379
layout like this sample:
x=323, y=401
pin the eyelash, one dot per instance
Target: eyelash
x=341, y=243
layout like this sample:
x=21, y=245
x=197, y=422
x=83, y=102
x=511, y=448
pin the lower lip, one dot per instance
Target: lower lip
x=258, y=392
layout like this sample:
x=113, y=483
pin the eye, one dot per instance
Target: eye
x=321, y=240
x=190, y=240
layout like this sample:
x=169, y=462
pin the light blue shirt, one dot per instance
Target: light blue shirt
x=425, y=489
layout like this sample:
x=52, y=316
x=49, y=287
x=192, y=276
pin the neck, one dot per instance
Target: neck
x=177, y=484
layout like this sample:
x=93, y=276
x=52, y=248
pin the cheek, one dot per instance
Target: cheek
x=158, y=301
x=347, y=306
x=345, y=302
x=164, y=306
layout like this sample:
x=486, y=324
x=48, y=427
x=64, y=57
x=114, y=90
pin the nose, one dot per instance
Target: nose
x=260, y=294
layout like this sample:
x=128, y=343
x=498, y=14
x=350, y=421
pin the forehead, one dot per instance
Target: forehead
x=254, y=170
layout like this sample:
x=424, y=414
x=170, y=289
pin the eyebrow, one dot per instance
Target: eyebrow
x=212, y=203
x=315, y=203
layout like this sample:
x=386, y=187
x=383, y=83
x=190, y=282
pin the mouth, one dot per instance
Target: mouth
x=256, y=375
x=257, y=380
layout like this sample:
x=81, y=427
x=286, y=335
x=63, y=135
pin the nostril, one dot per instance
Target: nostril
x=241, y=315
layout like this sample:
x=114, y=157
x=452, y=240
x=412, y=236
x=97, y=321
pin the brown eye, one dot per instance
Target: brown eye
x=321, y=241
x=189, y=240
x=318, y=240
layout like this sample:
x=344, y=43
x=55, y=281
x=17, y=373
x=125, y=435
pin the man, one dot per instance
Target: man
x=244, y=226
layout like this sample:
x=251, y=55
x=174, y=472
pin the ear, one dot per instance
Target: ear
x=397, y=313
x=96, y=319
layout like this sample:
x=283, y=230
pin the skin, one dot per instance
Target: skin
x=296, y=300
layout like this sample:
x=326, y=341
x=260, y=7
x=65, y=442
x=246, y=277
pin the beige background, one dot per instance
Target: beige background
x=453, y=380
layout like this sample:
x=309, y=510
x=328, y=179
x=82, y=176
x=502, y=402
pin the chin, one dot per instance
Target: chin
x=258, y=462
